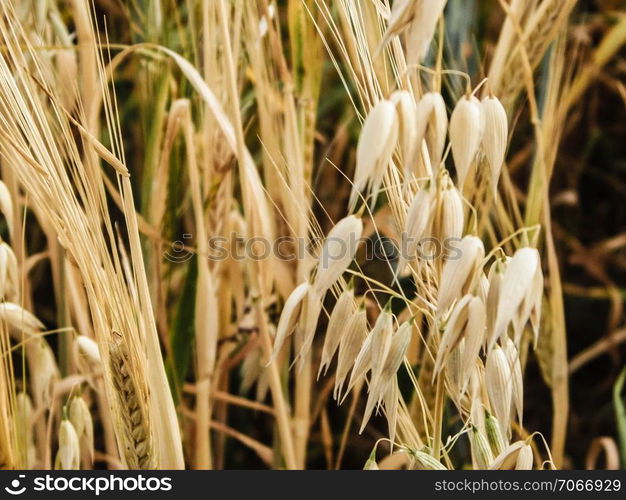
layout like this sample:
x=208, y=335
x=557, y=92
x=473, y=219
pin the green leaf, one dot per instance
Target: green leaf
x=182, y=332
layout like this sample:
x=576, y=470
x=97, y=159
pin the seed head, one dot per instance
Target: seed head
x=9, y=281
x=466, y=130
x=517, y=283
x=481, y=452
x=495, y=136
x=349, y=348
x=6, y=206
x=508, y=458
x=432, y=125
x=88, y=348
x=524, y=458
x=458, y=273
x=407, y=114
x=46, y=374
x=80, y=416
x=422, y=28
x=382, y=385
x=338, y=251
x=424, y=461
x=374, y=149
x=496, y=273
x=288, y=317
x=512, y=356
x=494, y=434
x=20, y=319
x=452, y=218
x=474, y=335
x=499, y=383
x=337, y=325
x=416, y=227
x=453, y=331
x=68, y=455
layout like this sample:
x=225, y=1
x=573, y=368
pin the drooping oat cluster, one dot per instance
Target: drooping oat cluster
x=473, y=308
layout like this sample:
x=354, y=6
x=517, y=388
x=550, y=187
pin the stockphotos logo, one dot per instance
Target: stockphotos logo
x=16, y=488
x=94, y=485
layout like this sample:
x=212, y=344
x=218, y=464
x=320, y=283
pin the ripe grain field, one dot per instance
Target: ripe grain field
x=312, y=234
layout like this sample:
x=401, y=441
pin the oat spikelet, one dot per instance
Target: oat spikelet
x=422, y=28
x=393, y=347
x=481, y=452
x=466, y=131
x=417, y=226
x=6, y=206
x=402, y=12
x=474, y=335
x=496, y=273
x=516, y=284
x=80, y=416
x=288, y=317
x=371, y=464
x=136, y=443
x=512, y=356
x=374, y=149
x=452, y=333
x=349, y=348
x=88, y=348
x=337, y=324
x=423, y=461
x=407, y=113
x=68, y=456
x=508, y=458
x=9, y=280
x=459, y=272
x=494, y=137
x=432, y=125
x=494, y=434
x=524, y=458
x=339, y=249
x=499, y=386
x=452, y=217
x=20, y=319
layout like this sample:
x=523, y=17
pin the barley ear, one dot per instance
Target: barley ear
x=466, y=130
x=135, y=439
